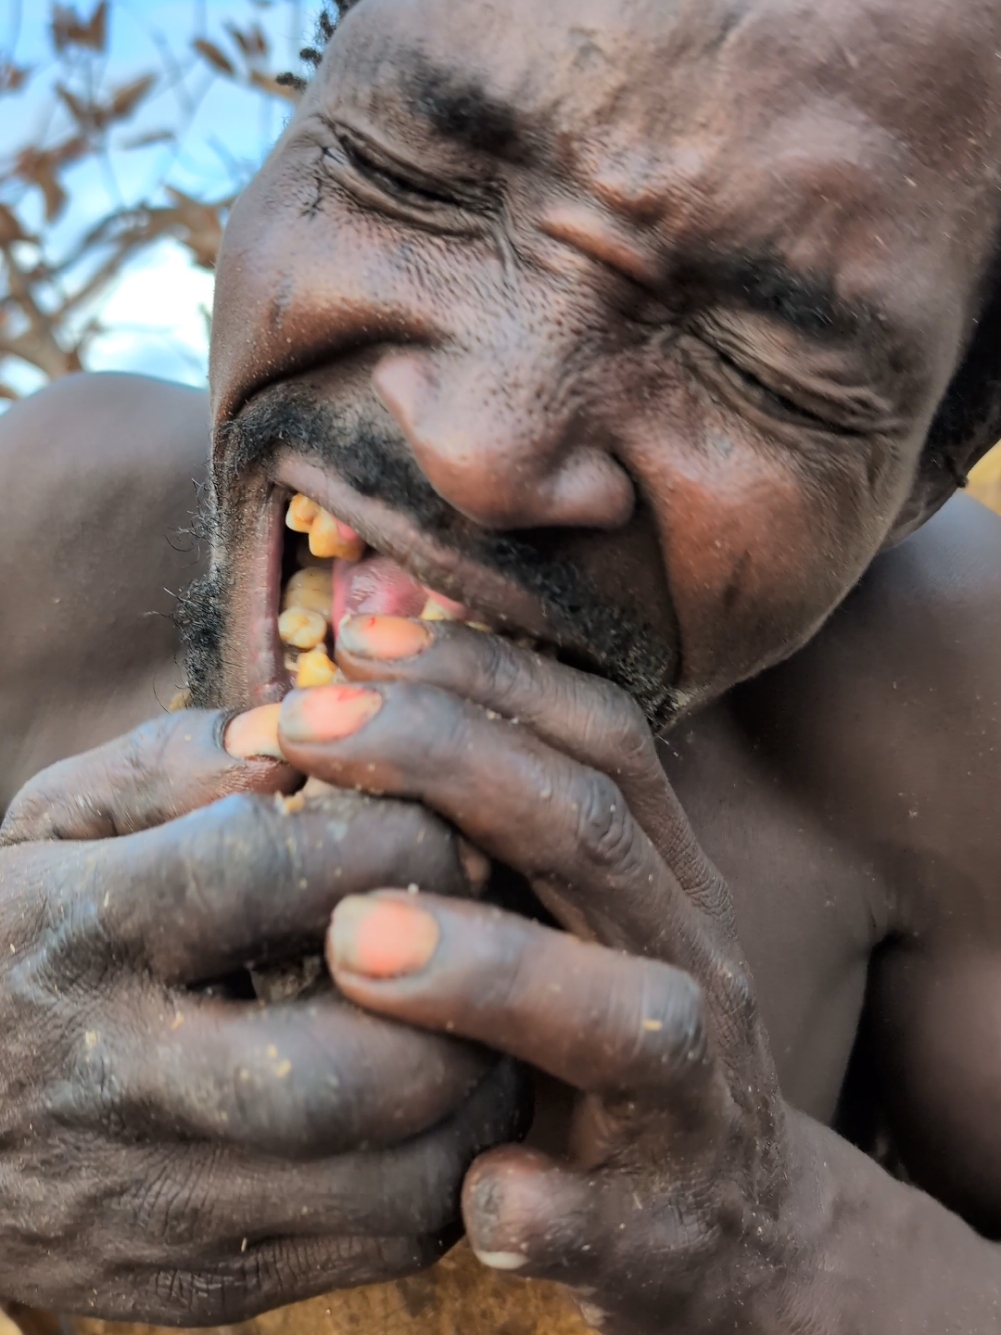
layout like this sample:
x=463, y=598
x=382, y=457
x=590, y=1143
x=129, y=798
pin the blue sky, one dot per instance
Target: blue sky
x=155, y=319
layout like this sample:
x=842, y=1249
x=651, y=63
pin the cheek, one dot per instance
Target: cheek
x=756, y=556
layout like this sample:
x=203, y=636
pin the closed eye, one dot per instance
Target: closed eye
x=778, y=403
x=391, y=179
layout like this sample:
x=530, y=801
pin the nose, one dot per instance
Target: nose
x=497, y=440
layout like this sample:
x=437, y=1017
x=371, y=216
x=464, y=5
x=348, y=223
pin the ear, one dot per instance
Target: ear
x=967, y=424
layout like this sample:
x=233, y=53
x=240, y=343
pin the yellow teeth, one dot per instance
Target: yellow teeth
x=433, y=611
x=327, y=536
x=301, y=513
x=300, y=628
x=310, y=589
x=314, y=669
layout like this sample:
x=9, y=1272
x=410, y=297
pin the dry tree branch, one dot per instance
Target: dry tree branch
x=46, y=288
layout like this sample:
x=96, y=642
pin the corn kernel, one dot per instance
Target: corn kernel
x=327, y=538
x=301, y=628
x=301, y=513
x=314, y=669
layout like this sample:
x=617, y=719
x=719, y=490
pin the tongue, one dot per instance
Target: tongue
x=376, y=584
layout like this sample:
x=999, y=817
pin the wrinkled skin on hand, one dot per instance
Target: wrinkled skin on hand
x=168, y=1151
x=676, y=1198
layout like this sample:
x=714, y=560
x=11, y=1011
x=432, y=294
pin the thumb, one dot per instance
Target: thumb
x=525, y=1213
x=151, y=775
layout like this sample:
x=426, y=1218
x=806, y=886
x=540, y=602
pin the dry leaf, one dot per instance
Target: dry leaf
x=252, y=42
x=13, y=77
x=94, y=117
x=127, y=96
x=69, y=29
x=215, y=57
x=38, y=167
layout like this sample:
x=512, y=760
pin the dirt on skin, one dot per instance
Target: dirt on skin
x=459, y=1296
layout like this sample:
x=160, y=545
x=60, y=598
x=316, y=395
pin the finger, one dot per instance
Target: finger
x=153, y=774
x=594, y=1018
x=246, y=880
x=560, y=823
x=209, y=1196
x=272, y=1272
x=585, y=716
x=204, y=1214
x=525, y=1213
x=299, y=1078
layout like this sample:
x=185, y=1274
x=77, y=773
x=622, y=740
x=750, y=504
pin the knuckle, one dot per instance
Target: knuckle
x=626, y=722
x=173, y=1204
x=439, y=722
x=669, y=1026
x=502, y=674
x=26, y=817
x=603, y=826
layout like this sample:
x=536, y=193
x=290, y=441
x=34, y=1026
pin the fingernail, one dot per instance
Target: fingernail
x=327, y=713
x=381, y=938
x=502, y=1260
x=382, y=636
x=254, y=734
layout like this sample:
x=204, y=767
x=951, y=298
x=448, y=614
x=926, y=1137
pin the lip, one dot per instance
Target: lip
x=497, y=600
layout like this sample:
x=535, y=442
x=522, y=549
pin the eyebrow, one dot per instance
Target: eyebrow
x=459, y=107
x=807, y=302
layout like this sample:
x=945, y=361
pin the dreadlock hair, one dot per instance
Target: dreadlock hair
x=312, y=55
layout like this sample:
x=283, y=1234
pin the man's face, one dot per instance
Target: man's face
x=621, y=322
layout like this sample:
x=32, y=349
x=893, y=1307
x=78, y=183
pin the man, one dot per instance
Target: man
x=638, y=330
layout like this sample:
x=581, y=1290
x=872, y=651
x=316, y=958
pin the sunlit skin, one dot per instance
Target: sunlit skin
x=695, y=303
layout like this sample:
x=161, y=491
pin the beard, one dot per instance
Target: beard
x=611, y=638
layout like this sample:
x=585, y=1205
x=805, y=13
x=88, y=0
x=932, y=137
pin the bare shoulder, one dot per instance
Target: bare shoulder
x=99, y=477
x=889, y=722
x=104, y=419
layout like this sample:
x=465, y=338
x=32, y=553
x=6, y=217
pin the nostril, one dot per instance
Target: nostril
x=401, y=382
x=589, y=490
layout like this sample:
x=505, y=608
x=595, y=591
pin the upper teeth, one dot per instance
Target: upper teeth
x=304, y=621
x=328, y=537
x=433, y=611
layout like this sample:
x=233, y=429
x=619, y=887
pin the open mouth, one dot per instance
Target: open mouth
x=329, y=572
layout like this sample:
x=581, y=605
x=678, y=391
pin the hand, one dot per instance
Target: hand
x=171, y=1156
x=672, y=1210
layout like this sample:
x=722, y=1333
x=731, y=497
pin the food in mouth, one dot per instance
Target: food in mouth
x=336, y=573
